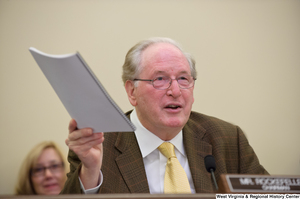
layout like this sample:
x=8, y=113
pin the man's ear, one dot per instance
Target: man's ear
x=130, y=89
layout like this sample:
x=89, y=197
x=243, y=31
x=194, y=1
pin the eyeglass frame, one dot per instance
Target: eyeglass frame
x=51, y=169
x=170, y=82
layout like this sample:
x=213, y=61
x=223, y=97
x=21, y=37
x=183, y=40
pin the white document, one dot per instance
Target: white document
x=81, y=93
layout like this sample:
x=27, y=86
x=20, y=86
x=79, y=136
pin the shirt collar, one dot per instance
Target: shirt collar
x=148, y=141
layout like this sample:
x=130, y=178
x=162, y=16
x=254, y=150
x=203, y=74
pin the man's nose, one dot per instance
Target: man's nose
x=174, y=88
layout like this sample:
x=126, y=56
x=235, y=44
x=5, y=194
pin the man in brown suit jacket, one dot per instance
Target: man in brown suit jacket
x=163, y=108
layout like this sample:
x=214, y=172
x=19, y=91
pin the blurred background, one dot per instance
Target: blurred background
x=247, y=56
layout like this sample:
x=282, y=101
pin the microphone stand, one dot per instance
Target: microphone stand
x=214, y=179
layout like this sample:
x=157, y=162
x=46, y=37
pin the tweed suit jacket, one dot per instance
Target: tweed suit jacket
x=123, y=168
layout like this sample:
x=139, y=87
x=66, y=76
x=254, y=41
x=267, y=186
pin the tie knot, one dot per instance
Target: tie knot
x=167, y=149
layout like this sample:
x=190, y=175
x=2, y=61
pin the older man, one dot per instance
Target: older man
x=159, y=80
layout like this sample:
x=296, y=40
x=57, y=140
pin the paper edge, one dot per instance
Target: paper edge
x=32, y=49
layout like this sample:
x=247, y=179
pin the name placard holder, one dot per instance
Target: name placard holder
x=238, y=183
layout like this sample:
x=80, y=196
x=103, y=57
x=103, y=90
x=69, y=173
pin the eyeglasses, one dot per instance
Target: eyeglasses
x=164, y=82
x=40, y=171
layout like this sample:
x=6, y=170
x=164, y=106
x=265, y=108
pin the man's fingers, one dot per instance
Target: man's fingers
x=72, y=125
x=73, y=140
x=67, y=142
x=80, y=134
x=80, y=150
x=81, y=141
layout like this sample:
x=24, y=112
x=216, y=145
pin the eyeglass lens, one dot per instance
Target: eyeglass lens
x=40, y=171
x=165, y=82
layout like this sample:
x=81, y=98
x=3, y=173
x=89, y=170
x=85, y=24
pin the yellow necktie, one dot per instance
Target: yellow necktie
x=176, y=180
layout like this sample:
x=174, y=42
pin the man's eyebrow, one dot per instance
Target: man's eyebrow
x=159, y=72
x=184, y=72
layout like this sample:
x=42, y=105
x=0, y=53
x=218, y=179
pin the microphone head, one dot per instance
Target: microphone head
x=210, y=163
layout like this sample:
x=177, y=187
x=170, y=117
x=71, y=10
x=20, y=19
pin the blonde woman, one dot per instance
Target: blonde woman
x=43, y=171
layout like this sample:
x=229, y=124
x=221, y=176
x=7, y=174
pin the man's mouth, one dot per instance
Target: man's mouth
x=172, y=106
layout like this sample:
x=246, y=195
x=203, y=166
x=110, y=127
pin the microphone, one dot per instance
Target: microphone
x=210, y=165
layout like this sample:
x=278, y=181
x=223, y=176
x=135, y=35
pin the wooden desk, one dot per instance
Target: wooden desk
x=114, y=196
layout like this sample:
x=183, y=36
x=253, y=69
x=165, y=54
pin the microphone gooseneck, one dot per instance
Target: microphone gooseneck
x=210, y=165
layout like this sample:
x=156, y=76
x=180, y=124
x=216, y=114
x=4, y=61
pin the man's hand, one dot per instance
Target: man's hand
x=88, y=147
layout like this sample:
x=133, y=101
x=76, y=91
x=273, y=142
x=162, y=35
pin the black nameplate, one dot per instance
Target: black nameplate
x=263, y=183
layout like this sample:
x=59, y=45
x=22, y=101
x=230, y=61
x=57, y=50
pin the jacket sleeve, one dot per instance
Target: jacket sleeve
x=72, y=185
x=248, y=160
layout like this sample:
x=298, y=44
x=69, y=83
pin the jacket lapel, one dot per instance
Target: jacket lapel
x=130, y=163
x=196, y=150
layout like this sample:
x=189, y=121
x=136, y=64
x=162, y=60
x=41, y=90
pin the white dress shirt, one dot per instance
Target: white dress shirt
x=154, y=161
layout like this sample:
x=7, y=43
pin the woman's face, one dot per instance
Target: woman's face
x=48, y=174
